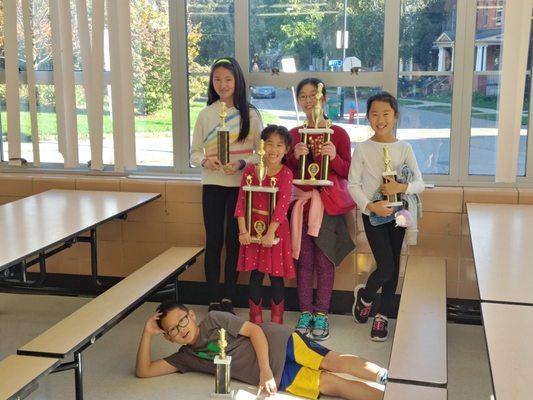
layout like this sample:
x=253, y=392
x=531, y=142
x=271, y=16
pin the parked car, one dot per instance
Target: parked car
x=263, y=92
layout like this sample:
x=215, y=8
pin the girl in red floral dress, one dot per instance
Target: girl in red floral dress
x=267, y=257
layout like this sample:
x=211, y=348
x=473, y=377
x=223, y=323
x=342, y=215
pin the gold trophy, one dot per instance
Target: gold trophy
x=223, y=136
x=313, y=169
x=393, y=199
x=223, y=370
x=259, y=226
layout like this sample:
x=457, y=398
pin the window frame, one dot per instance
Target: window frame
x=463, y=74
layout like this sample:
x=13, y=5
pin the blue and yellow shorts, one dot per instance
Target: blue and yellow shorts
x=301, y=374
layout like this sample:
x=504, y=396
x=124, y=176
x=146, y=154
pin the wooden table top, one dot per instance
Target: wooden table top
x=502, y=241
x=508, y=330
x=38, y=222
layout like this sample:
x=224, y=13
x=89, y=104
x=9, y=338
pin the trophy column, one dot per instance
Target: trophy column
x=223, y=370
x=393, y=199
x=324, y=171
x=302, y=162
x=223, y=137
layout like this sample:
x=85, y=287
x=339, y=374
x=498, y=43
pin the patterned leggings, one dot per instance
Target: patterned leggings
x=313, y=259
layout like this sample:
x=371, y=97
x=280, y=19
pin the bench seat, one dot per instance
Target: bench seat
x=19, y=374
x=419, y=348
x=400, y=391
x=88, y=323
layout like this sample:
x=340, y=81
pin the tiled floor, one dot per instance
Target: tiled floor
x=109, y=363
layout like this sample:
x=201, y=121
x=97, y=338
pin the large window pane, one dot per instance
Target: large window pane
x=310, y=33
x=486, y=87
x=210, y=32
x=427, y=39
x=427, y=45
x=524, y=132
x=210, y=35
x=151, y=82
x=425, y=120
x=42, y=36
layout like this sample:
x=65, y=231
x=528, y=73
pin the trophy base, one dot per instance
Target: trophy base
x=312, y=182
x=229, y=395
x=258, y=241
x=396, y=204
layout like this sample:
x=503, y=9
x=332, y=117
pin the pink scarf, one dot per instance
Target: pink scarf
x=316, y=213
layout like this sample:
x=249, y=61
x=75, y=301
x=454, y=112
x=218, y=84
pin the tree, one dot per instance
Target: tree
x=151, y=55
x=422, y=21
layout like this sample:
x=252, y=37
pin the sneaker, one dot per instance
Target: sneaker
x=320, y=329
x=360, y=310
x=379, y=328
x=214, y=306
x=227, y=306
x=305, y=323
x=382, y=376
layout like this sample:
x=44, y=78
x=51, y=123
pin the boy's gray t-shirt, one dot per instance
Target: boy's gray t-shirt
x=244, y=366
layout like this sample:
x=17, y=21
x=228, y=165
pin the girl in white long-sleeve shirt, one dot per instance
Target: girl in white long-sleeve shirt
x=220, y=184
x=365, y=180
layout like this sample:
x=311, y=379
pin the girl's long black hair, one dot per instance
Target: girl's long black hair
x=239, y=95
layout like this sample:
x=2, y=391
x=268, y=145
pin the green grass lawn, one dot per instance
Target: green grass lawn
x=158, y=124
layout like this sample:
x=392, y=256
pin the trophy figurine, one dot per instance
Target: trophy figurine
x=313, y=169
x=223, y=136
x=393, y=199
x=223, y=370
x=258, y=227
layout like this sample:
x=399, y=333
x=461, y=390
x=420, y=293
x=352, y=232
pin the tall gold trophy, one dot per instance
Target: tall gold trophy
x=223, y=136
x=393, y=199
x=258, y=227
x=223, y=370
x=314, y=169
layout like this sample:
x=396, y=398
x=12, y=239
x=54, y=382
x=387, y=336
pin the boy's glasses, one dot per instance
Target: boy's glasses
x=172, y=332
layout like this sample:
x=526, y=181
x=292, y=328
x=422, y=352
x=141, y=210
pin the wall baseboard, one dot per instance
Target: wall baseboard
x=459, y=310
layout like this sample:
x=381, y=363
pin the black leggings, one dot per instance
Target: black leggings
x=219, y=205
x=256, y=287
x=386, y=244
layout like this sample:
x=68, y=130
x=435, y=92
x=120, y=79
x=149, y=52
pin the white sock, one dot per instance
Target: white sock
x=382, y=376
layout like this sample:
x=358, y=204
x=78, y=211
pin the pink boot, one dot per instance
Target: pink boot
x=256, y=312
x=276, y=312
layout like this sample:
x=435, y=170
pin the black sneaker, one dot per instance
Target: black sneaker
x=227, y=306
x=214, y=306
x=360, y=311
x=379, y=328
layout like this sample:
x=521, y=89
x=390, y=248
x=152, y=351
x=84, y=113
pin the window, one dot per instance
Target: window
x=310, y=34
x=425, y=86
x=210, y=35
x=151, y=82
x=485, y=91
